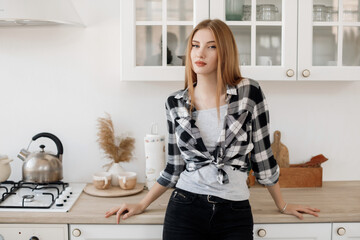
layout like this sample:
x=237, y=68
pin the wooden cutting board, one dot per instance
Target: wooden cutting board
x=113, y=191
x=280, y=151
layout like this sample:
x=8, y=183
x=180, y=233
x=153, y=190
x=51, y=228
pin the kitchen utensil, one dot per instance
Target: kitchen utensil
x=5, y=169
x=280, y=151
x=42, y=166
x=314, y=162
x=154, y=155
x=112, y=191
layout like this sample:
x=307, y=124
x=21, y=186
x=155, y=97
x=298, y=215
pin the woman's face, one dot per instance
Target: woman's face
x=203, y=52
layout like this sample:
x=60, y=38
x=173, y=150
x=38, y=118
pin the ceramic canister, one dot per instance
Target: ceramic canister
x=155, y=156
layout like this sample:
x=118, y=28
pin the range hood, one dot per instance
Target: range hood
x=38, y=13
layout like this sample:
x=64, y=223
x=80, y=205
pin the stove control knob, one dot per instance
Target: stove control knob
x=69, y=189
x=34, y=238
x=76, y=232
x=59, y=202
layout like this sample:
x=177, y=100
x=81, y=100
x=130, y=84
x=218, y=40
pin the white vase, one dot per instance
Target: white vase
x=115, y=170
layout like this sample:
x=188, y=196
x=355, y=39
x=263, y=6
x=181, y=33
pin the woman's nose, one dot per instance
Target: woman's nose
x=200, y=53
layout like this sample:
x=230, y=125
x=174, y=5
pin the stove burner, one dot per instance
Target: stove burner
x=26, y=191
x=28, y=198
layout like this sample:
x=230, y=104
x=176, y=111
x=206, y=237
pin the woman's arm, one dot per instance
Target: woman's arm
x=132, y=209
x=286, y=208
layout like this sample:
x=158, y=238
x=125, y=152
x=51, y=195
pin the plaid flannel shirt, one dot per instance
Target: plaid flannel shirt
x=245, y=133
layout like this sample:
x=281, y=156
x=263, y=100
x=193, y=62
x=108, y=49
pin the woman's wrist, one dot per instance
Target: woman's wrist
x=282, y=210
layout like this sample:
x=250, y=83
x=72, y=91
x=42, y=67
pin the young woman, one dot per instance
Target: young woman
x=218, y=127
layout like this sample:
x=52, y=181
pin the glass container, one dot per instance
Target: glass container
x=267, y=12
x=319, y=13
x=234, y=10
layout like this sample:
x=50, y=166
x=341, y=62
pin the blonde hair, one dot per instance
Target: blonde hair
x=228, y=71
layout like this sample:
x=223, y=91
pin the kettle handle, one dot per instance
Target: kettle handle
x=57, y=141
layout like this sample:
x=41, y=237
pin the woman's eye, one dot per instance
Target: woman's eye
x=194, y=45
x=212, y=46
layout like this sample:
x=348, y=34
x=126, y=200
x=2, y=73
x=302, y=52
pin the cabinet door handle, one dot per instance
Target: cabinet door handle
x=306, y=73
x=341, y=231
x=261, y=233
x=76, y=232
x=290, y=73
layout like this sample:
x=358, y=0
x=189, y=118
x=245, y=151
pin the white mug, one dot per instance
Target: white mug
x=264, y=61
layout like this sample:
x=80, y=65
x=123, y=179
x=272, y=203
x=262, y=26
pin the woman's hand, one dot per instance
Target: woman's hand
x=127, y=210
x=297, y=210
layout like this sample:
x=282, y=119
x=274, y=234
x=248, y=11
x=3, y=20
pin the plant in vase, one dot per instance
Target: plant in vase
x=117, y=149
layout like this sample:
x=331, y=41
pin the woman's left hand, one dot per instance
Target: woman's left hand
x=297, y=210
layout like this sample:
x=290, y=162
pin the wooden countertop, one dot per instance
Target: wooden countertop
x=338, y=202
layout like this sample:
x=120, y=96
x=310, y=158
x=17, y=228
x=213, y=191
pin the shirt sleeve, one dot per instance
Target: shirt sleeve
x=175, y=164
x=264, y=165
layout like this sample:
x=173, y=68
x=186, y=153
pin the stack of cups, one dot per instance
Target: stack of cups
x=154, y=155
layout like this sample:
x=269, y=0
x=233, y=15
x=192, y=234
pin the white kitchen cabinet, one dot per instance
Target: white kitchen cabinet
x=153, y=37
x=115, y=232
x=277, y=40
x=344, y=231
x=298, y=231
x=33, y=231
x=329, y=42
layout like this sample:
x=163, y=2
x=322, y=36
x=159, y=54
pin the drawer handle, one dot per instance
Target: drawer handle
x=290, y=73
x=306, y=73
x=76, y=232
x=341, y=231
x=261, y=233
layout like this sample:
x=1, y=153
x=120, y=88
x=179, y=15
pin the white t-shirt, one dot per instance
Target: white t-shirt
x=203, y=180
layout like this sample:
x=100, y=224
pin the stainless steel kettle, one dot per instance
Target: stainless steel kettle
x=42, y=166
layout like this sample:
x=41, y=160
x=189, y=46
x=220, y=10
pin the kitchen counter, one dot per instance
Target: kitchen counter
x=338, y=202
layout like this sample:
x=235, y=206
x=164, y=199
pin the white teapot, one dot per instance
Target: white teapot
x=5, y=169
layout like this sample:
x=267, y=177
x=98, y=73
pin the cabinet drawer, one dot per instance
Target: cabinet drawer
x=26, y=231
x=116, y=232
x=299, y=231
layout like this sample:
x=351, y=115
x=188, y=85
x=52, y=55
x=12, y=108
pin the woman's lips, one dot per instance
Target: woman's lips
x=200, y=63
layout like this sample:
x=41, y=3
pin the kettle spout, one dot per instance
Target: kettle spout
x=23, y=154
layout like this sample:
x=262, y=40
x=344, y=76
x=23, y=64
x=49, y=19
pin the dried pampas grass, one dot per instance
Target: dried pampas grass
x=119, y=149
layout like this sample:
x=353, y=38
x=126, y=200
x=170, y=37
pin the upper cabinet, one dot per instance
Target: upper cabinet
x=276, y=39
x=329, y=40
x=154, y=35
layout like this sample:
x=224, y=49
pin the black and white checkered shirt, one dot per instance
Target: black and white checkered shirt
x=245, y=130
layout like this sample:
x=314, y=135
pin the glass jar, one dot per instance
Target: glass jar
x=234, y=10
x=319, y=13
x=267, y=12
x=246, y=13
x=331, y=14
x=351, y=14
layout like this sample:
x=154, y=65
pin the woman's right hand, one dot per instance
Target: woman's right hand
x=127, y=210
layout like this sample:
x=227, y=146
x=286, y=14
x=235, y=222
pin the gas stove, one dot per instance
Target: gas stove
x=35, y=197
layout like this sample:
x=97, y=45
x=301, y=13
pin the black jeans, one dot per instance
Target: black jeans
x=194, y=216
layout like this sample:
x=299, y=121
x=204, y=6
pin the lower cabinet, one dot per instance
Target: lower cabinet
x=288, y=231
x=342, y=231
x=298, y=231
x=115, y=232
x=33, y=231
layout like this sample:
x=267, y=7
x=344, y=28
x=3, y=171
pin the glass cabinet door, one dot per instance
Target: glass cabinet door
x=154, y=35
x=265, y=36
x=329, y=39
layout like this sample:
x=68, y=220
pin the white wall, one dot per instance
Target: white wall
x=61, y=79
